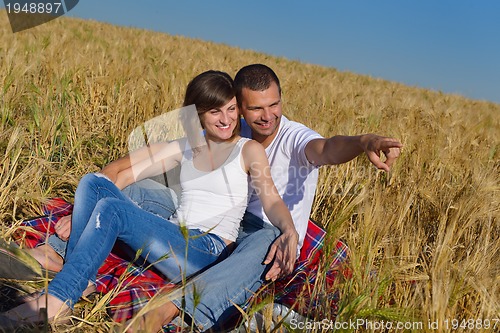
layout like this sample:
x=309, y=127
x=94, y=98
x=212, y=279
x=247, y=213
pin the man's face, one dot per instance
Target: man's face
x=262, y=112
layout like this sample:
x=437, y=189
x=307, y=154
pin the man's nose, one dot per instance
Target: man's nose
x=266, y=114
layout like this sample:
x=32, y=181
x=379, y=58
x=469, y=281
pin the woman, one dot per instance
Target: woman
x=214, y=182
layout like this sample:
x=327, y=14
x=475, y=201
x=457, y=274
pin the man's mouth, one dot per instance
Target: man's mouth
x=264, y=125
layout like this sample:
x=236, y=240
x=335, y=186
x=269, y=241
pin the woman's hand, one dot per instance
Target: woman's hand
x=63, y=227
x=284, y=253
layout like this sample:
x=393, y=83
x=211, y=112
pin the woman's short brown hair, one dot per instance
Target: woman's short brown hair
x=210, y=90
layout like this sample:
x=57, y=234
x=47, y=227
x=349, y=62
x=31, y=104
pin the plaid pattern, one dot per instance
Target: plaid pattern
x=131, y=286
x=299, y=291
x=39, y=227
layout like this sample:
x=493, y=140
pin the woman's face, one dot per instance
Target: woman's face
x=219, y=123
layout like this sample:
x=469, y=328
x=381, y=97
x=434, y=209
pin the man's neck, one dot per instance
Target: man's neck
x=264, y=140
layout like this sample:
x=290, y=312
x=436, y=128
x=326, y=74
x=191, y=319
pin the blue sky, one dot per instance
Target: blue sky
x=447, y=45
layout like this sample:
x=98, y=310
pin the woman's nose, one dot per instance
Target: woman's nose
x=224, y=118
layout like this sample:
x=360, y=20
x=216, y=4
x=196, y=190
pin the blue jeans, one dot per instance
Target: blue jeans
x=148, y=194
x=232, y=281
x=102, y=215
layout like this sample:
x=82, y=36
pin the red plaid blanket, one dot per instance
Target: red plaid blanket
x=132, y=286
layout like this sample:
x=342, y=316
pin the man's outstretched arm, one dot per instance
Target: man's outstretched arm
x=341, y=149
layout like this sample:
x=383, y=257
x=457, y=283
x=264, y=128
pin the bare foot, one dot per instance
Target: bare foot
x=29, y=312
x=154, y=319
x=47, y=257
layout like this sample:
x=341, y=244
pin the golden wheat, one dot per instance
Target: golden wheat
x=424, y=239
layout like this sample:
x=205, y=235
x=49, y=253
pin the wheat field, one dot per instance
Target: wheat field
x=424, y=239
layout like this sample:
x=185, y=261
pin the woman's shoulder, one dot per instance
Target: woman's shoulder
x=251, y=152
x=243, y=141
x=252, y=149
x=251, y=144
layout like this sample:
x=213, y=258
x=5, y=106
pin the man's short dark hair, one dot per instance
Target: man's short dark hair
x=256, y=77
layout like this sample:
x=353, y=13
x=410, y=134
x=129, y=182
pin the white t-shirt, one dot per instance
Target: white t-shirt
x=294, y=176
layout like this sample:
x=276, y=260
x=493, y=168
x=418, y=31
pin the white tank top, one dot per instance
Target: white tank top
x=213, y=201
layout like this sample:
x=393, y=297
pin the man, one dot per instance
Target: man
x=295, y=152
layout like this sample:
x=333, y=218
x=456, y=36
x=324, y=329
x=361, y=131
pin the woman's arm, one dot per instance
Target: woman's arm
x=114, y=168
x=146, y=162
x=284, y=249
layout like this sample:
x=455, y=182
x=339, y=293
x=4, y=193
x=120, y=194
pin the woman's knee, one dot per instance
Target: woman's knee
x=86, y=180
x=89, y=180
x=93, y=181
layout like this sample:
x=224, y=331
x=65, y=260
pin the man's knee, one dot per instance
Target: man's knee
x=268, y=235
x=257, y=244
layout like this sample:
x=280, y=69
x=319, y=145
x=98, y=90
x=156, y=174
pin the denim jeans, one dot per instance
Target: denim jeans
x=148, y=194
x=102, y=215
x=232, y=281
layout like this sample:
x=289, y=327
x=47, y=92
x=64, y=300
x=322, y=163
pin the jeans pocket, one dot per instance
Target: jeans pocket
x=206, y=242
x=217, y=244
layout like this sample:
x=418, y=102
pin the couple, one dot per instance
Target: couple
x=290, y=147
